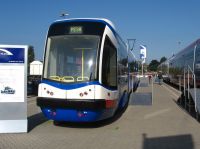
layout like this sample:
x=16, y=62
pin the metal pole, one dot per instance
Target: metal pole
x=195, y=93
x=129, y=41
x=195, y=96
x=188, y=86
x=168, y=68
x=194, y=83
x=194, y=57
x=132, y=83
x=184, y=82
x=184, y=88
x=152, y=89
x=142, y=69
x=179, y=83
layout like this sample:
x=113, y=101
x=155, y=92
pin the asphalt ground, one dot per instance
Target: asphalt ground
x=162, y=125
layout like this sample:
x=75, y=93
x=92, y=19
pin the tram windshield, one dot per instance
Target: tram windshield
x=71, y=58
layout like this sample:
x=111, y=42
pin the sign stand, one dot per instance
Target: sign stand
x=13, y=88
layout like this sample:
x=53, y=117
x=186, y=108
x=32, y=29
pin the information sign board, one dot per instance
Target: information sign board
x=13, y=88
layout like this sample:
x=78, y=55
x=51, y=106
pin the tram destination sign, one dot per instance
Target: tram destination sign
x=76, y=30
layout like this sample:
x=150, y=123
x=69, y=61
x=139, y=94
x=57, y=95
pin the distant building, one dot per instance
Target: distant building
x=36, y=68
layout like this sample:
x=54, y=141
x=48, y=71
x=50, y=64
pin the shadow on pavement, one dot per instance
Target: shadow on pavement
x=35, y=120
x=168, y=142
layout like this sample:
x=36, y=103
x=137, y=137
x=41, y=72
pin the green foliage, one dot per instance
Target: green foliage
x=163, y=59
x=31, y=54
x=153, y=65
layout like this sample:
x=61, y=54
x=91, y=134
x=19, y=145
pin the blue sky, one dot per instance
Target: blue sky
x=158, y=24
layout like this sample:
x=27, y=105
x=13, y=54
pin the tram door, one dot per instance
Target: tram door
x=109, y=65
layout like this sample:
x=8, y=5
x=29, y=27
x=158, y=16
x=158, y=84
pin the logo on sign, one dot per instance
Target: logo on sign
x=11, y=55
x=5, y=52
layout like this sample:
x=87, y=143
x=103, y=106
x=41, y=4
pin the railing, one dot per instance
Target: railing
x=188, y=70
x=188, y=85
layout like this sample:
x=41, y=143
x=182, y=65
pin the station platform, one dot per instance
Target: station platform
x=165, y=123
x=152, y=120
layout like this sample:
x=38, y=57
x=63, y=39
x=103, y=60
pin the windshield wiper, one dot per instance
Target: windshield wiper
x=90, y=76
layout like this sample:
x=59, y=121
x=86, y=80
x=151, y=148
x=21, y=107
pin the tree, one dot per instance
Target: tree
x=153, y=65
x=31, y=54
x=163, y=59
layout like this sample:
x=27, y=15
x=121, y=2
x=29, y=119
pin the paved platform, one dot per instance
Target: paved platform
x=163, y=125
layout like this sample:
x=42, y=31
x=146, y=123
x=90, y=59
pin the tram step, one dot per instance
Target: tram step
x=141, y=99
x=142, y=84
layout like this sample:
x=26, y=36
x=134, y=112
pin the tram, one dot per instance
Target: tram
x=184, y=71
x=86, y=71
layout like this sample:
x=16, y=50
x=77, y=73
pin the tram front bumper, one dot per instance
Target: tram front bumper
x=75, y=110
x=71, y=103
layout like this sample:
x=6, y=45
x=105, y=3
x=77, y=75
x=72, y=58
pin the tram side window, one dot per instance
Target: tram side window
x=197, y=63
x=109, y=64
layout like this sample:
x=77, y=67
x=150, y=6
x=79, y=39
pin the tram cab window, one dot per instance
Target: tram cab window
x=109, y=64
x=71, y=58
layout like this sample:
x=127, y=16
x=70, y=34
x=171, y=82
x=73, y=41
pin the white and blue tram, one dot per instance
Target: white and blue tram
x=86, y=72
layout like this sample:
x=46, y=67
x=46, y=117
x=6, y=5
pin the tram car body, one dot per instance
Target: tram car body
x=86, y=71
x=184, y=70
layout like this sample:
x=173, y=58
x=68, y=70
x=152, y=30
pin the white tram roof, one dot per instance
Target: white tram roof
x=97, y=19
x=189, y=47
x=110, y=23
